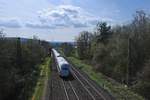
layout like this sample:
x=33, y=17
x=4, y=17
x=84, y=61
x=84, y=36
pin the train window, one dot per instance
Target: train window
x=64, y=68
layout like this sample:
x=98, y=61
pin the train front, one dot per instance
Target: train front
x=65, y=70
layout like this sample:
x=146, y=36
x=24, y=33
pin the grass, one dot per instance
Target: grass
x=119, y=91
x=43, y=77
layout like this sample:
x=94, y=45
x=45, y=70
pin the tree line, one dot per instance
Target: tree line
x=19, y=66
x=121, y=52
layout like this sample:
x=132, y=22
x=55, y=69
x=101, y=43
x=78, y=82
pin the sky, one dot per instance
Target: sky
x=63, y=20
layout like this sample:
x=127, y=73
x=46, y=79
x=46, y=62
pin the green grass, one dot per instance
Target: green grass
x=43, y=77
x=119, y=91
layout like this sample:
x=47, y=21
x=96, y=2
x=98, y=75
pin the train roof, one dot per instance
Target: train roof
x=55, y=53
x=62, y=60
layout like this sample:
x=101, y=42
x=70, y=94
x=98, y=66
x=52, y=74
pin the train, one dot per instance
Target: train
x=62, y=65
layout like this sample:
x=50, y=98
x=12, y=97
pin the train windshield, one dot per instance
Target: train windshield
x=65, y=67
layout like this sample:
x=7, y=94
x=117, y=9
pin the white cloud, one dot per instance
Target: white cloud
x=67, y=16
x=10, y=23
x=38, y=25
x=56, y=17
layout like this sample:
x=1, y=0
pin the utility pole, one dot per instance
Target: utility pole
x=128, y=59
x=18, y=53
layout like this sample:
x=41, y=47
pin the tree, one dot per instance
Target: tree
x=140, y=48
x=2, y=33
x=123, y=52
x=143, y=84
x=84, y=45
x=18, y=66
x=67, y=48
x=103, y=31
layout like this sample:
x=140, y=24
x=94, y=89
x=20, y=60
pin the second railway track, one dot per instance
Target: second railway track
x=93, y=92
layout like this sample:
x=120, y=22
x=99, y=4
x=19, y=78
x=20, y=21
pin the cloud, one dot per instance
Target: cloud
x=10, y=23
x=38, y=25
x=67, y=16
x=56, y=17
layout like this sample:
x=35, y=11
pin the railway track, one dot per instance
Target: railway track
x=69, y=90
x=101, y=91
x=56, y=88
x=93, y=92
x=77, y=87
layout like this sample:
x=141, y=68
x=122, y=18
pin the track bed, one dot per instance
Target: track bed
x=76, y=87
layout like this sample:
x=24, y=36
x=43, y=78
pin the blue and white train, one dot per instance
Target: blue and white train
x=62, y=65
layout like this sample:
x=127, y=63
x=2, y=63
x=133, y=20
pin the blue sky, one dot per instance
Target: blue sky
x=62, y=20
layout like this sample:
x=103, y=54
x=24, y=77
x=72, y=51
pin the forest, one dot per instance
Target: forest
x=121, y=52
x=19, y=69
